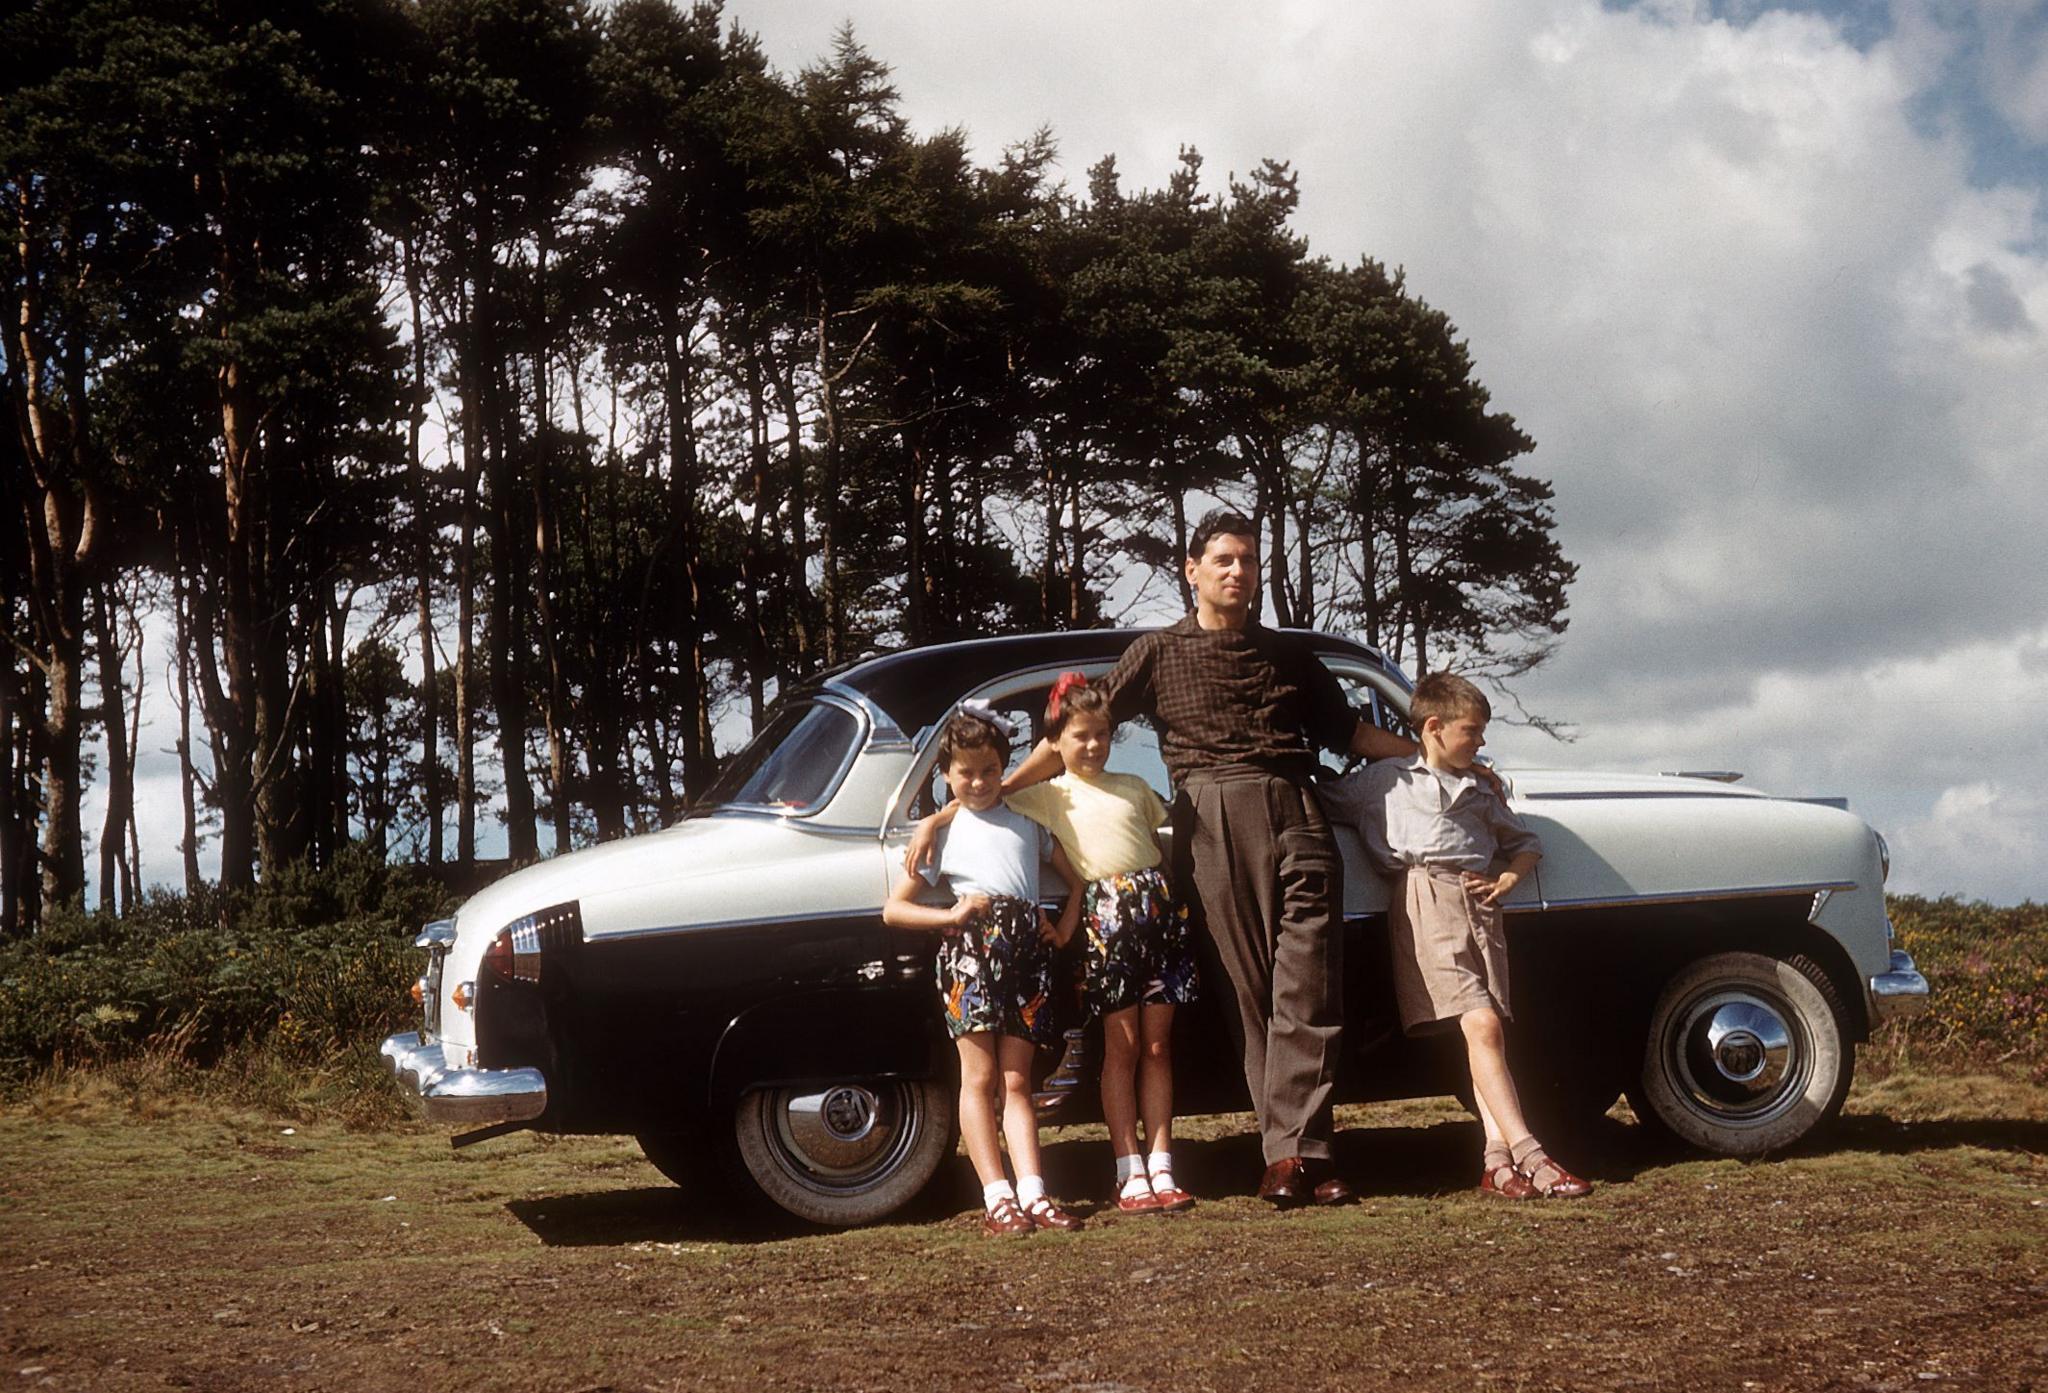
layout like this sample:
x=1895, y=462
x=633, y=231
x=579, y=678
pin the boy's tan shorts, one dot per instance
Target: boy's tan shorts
x=1449, y=953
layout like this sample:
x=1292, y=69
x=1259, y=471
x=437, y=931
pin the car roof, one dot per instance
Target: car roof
x=917, y=686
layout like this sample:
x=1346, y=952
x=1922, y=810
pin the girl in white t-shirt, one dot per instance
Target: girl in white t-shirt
x=994, y=965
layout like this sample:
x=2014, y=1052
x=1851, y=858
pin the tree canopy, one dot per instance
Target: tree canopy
x=502, y=400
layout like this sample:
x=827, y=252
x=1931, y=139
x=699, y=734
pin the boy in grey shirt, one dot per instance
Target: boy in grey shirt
x=1437, y=828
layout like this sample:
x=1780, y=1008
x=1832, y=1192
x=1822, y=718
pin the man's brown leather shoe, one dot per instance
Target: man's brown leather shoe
x=1285, y=1184
x=1330, y=1187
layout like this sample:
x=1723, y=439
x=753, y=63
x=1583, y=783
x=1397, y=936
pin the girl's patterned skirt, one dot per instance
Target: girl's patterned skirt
x=996, y=974
x=1138, y=949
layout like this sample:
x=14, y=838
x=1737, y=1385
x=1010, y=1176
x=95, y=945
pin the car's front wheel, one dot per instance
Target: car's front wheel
x=846, y=1153
x=1746, y=1053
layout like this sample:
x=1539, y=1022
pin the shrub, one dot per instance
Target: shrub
x=1989, y=971
x=308, y=966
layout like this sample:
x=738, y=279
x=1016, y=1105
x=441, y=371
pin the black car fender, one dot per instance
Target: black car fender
x=889, y=1030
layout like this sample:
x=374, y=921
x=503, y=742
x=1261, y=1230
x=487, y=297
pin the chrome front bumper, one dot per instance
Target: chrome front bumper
x=476, y=1097
x=1899, y=991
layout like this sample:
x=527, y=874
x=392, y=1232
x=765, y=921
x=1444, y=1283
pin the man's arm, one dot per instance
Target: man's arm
x=1042, y=763
x=1370, y=742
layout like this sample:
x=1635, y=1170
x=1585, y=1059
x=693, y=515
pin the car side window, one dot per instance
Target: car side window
x=1369, y=700
x=1026, y=713
x=1135, y=750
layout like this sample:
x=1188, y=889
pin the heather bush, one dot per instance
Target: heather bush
x=1989, y=970
x=308, y=966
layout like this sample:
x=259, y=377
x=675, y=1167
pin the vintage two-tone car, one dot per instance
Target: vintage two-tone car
x=726, y=988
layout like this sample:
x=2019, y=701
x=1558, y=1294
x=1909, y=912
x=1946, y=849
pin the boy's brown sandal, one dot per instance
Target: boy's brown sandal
x=1004, y=1218
x=1503, y=1181
x=1549, y=1179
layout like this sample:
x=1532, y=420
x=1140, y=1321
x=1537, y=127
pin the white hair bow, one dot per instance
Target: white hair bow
x=982, y=711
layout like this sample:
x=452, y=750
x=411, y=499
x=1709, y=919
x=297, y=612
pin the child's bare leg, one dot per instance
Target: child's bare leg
x=980, y=1081
x=1486, y=1052
x=1494, y=1140
x=1119, y=1077
x=1020, y=1129
x=1155, y=1077
x=1020, y=1119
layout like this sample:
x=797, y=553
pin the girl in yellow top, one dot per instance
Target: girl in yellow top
x=1140, y=958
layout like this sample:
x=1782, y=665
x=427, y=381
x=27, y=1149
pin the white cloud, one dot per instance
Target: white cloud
x=1782, y=357
x=1986, y=835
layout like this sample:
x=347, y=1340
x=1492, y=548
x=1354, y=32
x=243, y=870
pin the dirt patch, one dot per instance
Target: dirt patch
x=223, y=1251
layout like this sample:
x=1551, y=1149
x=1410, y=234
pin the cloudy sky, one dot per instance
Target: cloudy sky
x=1766, y=282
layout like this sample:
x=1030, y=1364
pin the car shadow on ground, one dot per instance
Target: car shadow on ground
x=1441, y=1158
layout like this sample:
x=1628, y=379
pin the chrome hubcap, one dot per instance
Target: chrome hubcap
x=1737, y=1054
x=842, y=1139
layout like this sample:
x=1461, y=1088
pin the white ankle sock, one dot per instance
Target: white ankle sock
x=1030, y=1190
x=1160, y=1165
x=1128, y=1166
x=994, y=1192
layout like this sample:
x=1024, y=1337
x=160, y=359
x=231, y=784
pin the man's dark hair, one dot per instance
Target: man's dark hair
x=1219, y=522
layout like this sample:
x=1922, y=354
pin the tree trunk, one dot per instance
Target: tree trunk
x=465, y=616
x=916, y=609
x=679, y=398
x=280, y=779
x=63, y=852
x=1077, y=574
x=120, y=761
x=753, y=577
x=1177, y=499
x=828, y=509
x=508, y=623
x=188, y=844
x=423, y=559
x=14, y=832
x=798, y=588
x=1049, y=569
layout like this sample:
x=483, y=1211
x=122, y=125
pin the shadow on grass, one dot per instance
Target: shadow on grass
x=1879, y=1133
x=1381, y=1162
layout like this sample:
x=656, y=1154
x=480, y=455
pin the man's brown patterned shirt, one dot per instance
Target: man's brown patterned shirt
x=1252, y=696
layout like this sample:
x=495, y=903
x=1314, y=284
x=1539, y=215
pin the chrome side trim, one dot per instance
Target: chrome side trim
x=1898, y=992
x=475, y=1097
x=1820, y=902
x=1612, y=795
x=815, y=917
x=1747, y=892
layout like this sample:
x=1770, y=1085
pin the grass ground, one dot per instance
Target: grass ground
x=150, y=1243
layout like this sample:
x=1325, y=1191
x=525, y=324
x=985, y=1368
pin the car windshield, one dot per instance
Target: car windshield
x=792, y=764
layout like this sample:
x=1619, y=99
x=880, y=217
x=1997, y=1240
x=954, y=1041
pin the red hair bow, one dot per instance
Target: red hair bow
x=1066, y=683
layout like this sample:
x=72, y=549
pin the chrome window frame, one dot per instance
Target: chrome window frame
x=865, y=716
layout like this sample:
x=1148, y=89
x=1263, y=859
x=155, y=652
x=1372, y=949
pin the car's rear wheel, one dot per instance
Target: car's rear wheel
x=1745, y=1054
x=846, y=1153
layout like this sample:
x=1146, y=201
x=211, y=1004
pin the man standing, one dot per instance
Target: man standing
x=1240, y=710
